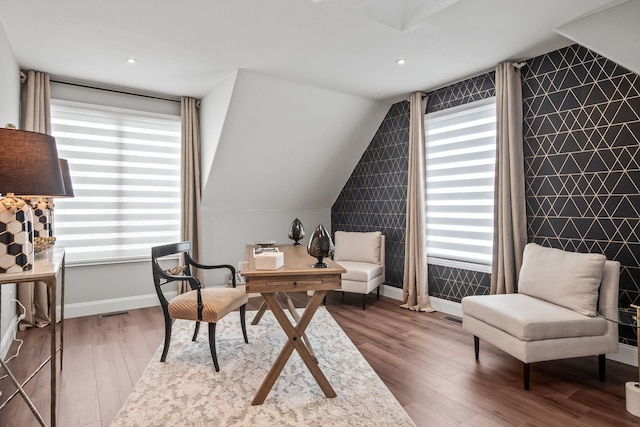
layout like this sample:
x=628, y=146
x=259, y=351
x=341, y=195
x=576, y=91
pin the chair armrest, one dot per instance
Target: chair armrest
x=195, y=264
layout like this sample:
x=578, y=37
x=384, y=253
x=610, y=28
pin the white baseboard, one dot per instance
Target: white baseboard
x=112, y=305
x=626, y=354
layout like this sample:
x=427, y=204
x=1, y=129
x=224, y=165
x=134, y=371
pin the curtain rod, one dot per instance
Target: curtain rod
x=114, y=91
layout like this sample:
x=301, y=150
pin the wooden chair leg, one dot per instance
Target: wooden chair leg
x=525, y=374
x=195, y=332
x=364, y=300
x=476, y=346
x=378, y=293
x=243, y=323
x=167, y=336
x=212, y=345
x=601, y=366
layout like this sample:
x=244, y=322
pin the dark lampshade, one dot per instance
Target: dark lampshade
x=66, y=178
x=29, y=164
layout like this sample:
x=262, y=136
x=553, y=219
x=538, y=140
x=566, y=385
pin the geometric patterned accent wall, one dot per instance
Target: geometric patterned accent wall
x=582, y=159
x=374, y=197
x=582, y=168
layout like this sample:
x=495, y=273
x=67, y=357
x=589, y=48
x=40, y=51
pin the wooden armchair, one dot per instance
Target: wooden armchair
x=200, y=304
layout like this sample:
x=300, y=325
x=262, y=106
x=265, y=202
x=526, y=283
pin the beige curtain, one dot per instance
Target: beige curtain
x=35, y=115
x=414, y=288
x=509, y=218
x=190, y=180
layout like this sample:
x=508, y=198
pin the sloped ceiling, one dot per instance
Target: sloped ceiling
x=614, y=33
x=282, y=144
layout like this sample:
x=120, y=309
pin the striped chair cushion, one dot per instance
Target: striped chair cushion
x=217, y=302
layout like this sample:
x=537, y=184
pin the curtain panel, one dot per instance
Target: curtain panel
x=509, y=222
x=414, y=287
x=35, y=116
x=190, y=182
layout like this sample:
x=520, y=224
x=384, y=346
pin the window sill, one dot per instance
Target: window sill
x=463, y=265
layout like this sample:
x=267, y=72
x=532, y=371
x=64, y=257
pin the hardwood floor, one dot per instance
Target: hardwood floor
x=426, y=361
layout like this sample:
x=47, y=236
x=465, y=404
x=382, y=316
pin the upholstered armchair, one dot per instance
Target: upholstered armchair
x=362, y=255
x=554, y=314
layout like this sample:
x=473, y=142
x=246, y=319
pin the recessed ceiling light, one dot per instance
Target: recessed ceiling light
x=131, y=60
x=401, y=61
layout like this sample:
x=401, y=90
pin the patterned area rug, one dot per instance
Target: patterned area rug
x=186, y=390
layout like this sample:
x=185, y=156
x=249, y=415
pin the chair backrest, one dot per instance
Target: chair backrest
x=161, y=276
x=360, y=246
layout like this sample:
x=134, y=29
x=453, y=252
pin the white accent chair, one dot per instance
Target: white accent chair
x=553, y=315
x=362, y=255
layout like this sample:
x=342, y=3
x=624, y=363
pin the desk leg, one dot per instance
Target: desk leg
x=294, y=342
x=292, y=309
x=260, y=313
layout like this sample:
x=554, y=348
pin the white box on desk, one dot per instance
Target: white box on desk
x=269, y=260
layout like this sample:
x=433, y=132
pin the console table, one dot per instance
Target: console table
x=48, y=268
x=296, y=275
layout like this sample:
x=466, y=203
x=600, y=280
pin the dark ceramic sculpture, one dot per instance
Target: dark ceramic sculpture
x=296, y=232
x=320, y=246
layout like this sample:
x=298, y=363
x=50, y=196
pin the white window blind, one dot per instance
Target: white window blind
x=460, y=167
x=125, y=168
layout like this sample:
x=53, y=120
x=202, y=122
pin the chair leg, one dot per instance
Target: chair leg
x=476, y=346
x=525, y=374
x=195, y=332
x=364, y=300
x=212, y=345
x=378, y=293
x=601, y=366
x=167, y=336
x=243, y=322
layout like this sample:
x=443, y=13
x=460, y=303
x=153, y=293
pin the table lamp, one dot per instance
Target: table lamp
x=29, y=166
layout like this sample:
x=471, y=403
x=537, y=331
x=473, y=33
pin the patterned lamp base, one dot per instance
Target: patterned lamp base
x=42, y=217
x=16, y=236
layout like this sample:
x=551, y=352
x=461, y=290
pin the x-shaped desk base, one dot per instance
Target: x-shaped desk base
x=294, y=341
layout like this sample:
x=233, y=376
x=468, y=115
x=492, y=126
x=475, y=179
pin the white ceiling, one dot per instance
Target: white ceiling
x=187, y=48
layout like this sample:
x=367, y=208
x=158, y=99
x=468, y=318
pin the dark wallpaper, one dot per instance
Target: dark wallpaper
x=582, y=167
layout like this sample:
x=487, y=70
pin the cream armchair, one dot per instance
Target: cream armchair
x=553, y=315
x=362, y=255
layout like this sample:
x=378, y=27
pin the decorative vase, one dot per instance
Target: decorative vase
x=296, y=232
x=320, y=246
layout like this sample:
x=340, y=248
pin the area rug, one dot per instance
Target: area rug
x=187, y=391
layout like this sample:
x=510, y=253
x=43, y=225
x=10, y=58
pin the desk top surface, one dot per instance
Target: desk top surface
x=47, y=264
x=296, y=262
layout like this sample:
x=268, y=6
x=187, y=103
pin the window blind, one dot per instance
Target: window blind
x=125, y=168
x=460, y=167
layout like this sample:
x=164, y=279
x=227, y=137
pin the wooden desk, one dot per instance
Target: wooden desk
x=296, y=275
x=48, y=268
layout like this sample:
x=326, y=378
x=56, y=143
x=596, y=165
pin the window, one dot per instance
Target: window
x=460, y=167
x=125, y=168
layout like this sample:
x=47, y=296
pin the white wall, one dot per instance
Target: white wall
x=275, y=150
x=9, y=113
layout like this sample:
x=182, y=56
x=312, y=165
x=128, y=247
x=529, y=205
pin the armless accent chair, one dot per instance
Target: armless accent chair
x=554, y=314
x=200, y=304
x=362, y=255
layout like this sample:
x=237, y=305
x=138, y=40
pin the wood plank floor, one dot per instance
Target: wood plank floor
x=426, y=361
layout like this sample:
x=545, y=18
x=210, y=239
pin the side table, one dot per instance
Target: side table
x=628, y=317
x=48, y=268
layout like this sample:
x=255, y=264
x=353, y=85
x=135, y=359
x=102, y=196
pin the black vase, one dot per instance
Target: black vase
x=296, y=232
x=320, y=246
